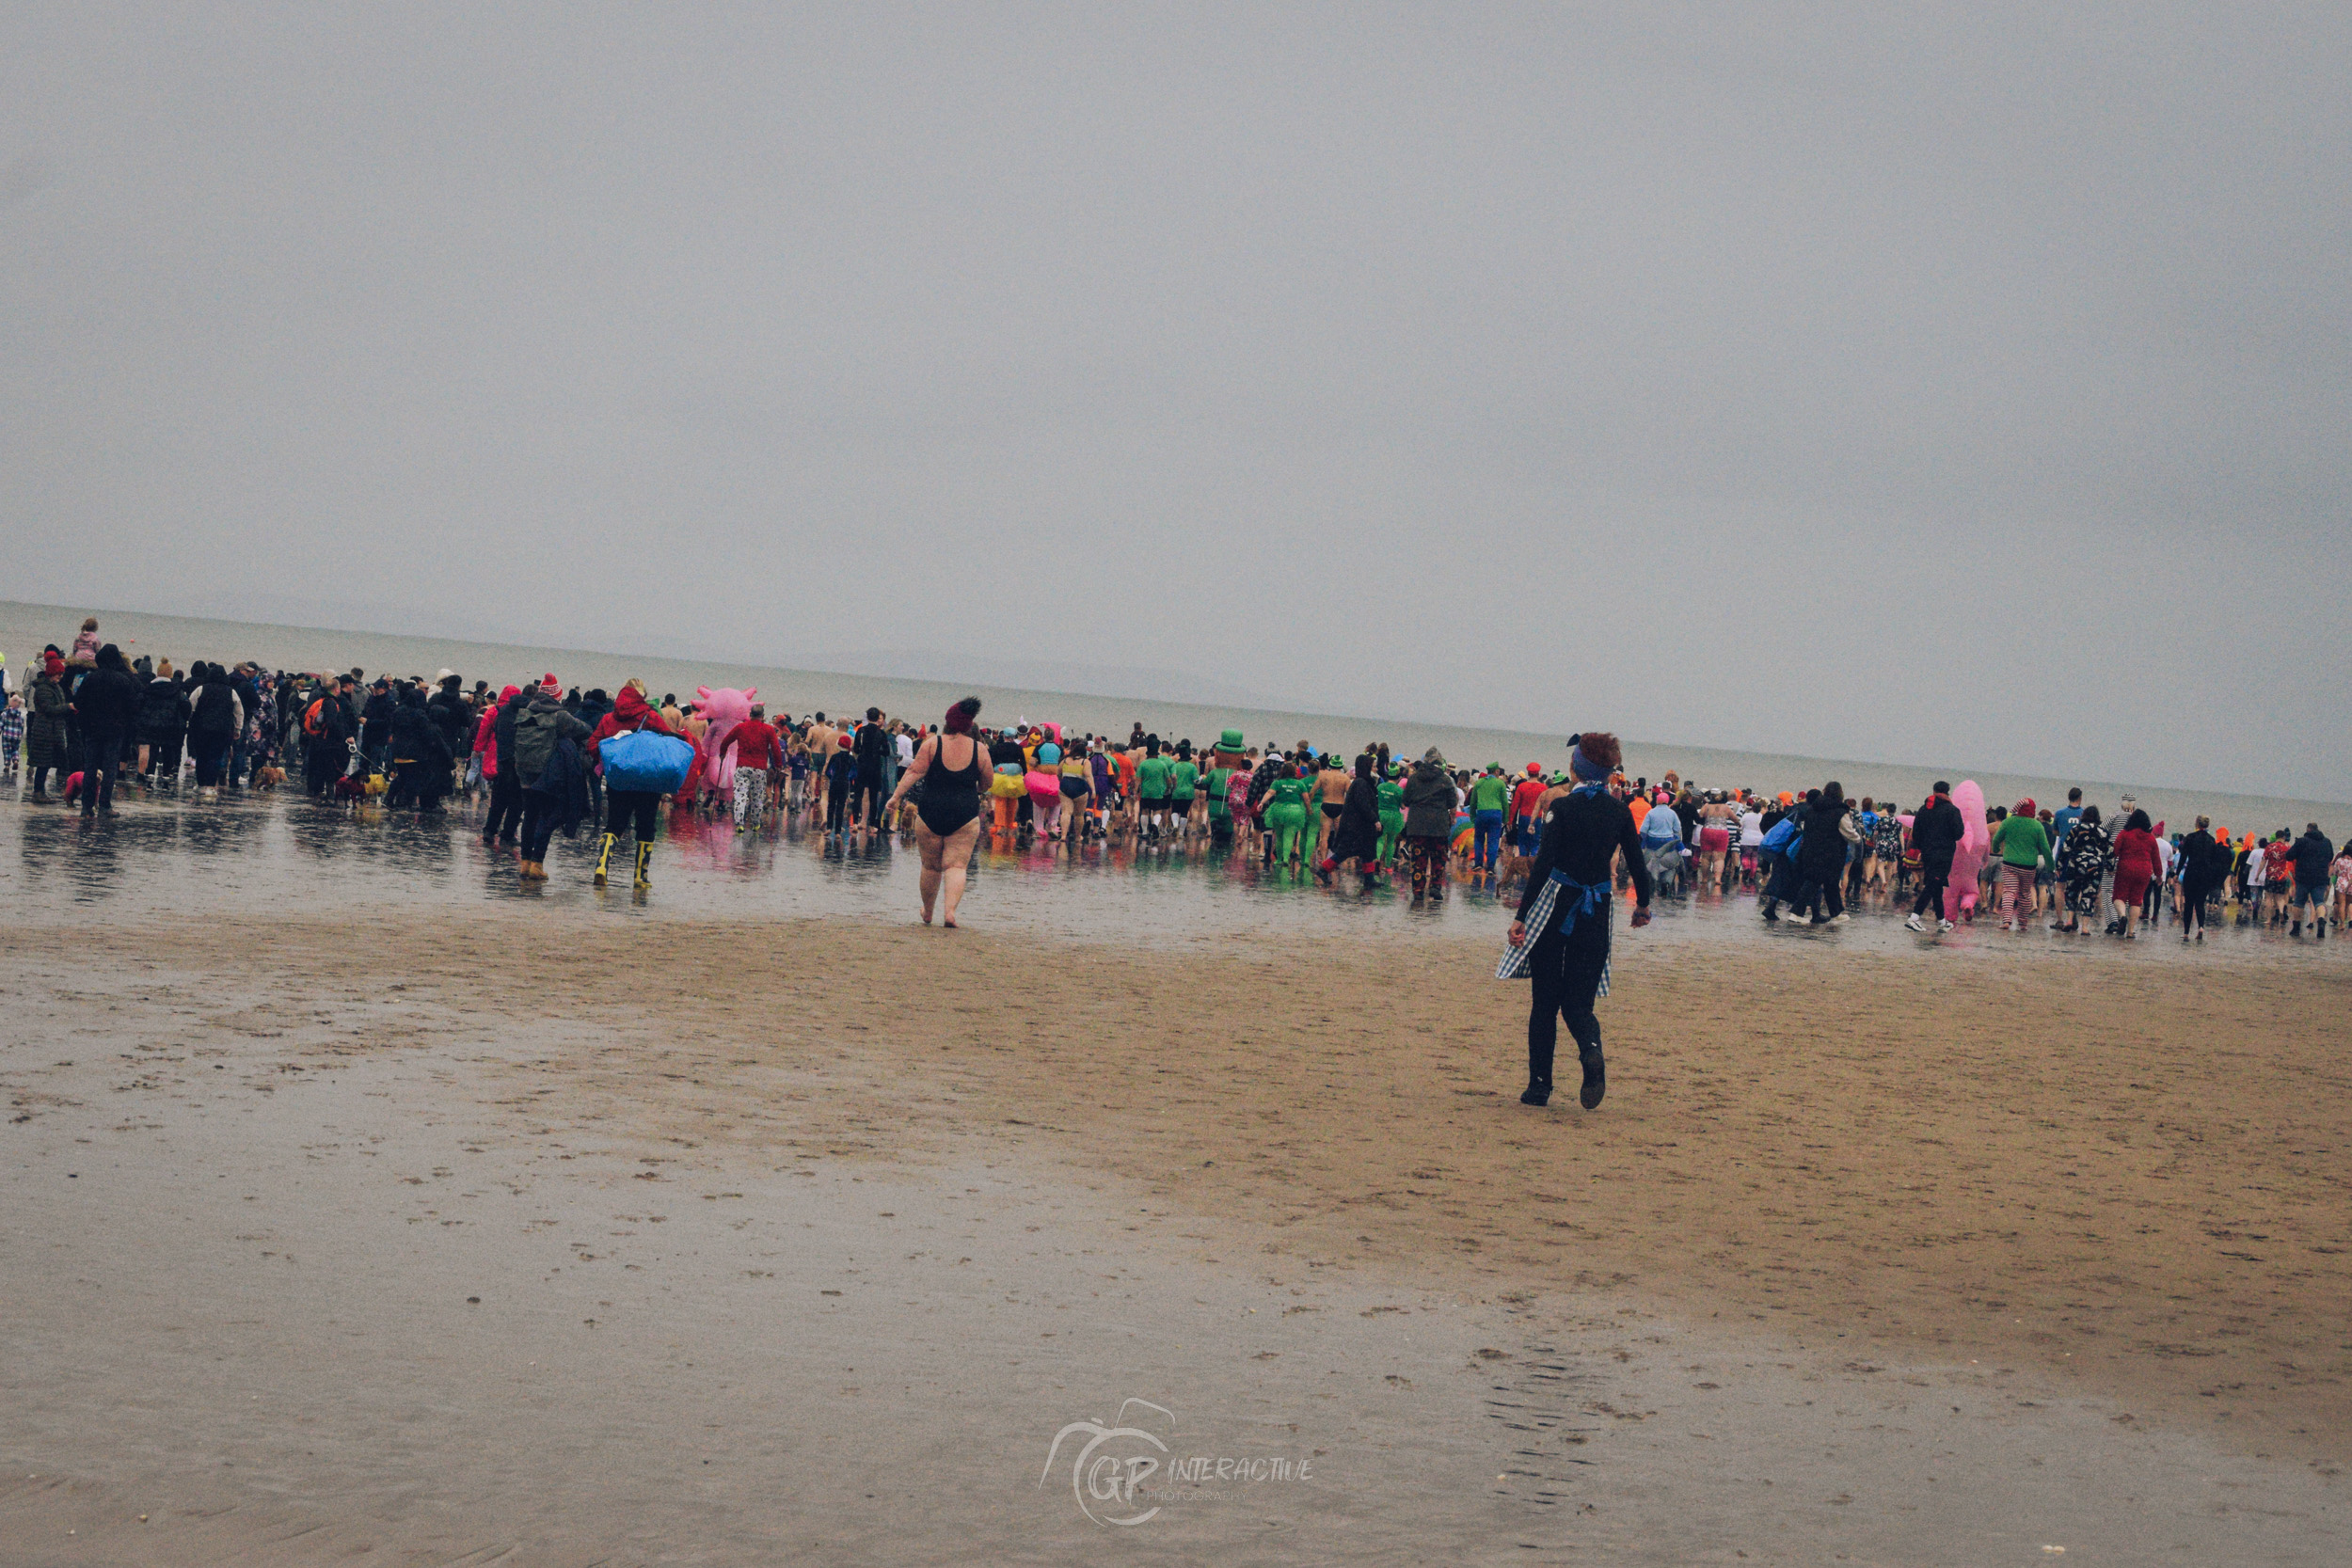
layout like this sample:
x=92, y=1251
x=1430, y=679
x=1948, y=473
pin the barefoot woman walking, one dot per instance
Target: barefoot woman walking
x=946, y=775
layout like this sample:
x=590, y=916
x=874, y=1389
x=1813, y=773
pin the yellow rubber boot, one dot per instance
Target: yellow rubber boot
x=604, y=857
x=644, y=862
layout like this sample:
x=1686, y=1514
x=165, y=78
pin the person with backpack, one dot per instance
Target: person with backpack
x=541, y=724
x=328, y=726
x=627, y=810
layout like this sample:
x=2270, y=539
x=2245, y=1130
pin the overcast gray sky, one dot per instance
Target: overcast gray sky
x=1872, y=383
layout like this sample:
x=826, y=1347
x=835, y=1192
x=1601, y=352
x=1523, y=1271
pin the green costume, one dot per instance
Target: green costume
x=1286, y=817
x=1219, y=781
x=1391, y=819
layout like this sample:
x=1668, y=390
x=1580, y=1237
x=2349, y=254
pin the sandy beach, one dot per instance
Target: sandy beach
x=2054, y=1193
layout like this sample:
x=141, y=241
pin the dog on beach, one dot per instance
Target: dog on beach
x=1511, y=869
x=268, y=776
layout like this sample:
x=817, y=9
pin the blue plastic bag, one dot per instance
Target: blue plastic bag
x=645, y=760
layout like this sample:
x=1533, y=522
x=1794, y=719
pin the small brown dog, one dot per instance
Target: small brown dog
x=1511, y=869
x=268, y=776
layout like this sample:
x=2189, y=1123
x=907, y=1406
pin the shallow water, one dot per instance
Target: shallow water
x=25, y=628
x=164, y=855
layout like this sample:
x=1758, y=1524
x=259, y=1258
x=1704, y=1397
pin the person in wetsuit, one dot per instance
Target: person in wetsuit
x=1560, y=936
x=948, y=773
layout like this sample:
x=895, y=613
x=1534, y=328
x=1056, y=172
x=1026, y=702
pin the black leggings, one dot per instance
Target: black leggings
x=624, y=808
x=1566, y=975
x=507, y=809
x=40, y=777
x=1828, y=895
x=837, y=805
x=540, y=808
x=2193, y=906
x=1932, y=881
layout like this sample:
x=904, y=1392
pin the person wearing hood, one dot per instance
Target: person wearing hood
x=542, y=724
x=1559, y=937
x=1356, y=833
x=418, y=753
x=1430, y=799
x=375, y=723
x=215, y=718
x=494, y=742
x=1822, y=852
x=45, y=724
x=450, y=715
x=105, y=704
x=1936, y=832
x=2312, y=856
x=628, y=809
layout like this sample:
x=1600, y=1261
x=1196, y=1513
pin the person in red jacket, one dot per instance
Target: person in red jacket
x=506, y=792
x=633, y=808
x=757, y=755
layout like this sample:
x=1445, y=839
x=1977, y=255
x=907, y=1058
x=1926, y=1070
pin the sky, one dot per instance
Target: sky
x=1967, y=385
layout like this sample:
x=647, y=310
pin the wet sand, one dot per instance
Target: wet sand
x=2066, y=1241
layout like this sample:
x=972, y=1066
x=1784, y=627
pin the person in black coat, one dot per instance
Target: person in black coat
x=452, y=716
x=105, y=705
x=216, y=718
x=326, y=734
x=1356, y=837
x=419, y=753
x=1822, y=854
x=163, y=723
x=1935, y=835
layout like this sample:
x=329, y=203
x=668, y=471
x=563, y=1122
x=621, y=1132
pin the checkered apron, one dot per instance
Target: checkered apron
x=1593, y=898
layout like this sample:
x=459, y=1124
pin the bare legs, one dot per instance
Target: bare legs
x=945, y=862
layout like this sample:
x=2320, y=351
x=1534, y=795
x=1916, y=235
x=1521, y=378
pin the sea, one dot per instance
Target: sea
x=25, y=628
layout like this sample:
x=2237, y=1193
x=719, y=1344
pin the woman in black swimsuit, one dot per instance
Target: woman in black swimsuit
x=949, y=769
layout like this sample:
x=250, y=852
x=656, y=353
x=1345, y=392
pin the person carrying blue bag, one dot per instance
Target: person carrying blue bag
x=641, y=759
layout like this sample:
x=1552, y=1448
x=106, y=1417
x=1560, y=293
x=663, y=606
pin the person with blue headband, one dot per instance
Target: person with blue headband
x=1560, y=939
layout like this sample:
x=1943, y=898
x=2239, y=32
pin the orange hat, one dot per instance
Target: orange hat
x=1787, y=798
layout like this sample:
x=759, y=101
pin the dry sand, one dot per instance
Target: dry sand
x=2125, y=1185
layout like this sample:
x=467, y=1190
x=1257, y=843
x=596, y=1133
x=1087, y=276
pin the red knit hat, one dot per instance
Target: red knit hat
x=549, y=683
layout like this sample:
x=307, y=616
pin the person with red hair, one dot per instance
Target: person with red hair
x=950, y=769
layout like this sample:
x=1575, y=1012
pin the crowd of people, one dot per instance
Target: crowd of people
x=530, y=757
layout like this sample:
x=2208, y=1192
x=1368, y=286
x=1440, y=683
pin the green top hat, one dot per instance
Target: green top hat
x=1229, y=741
